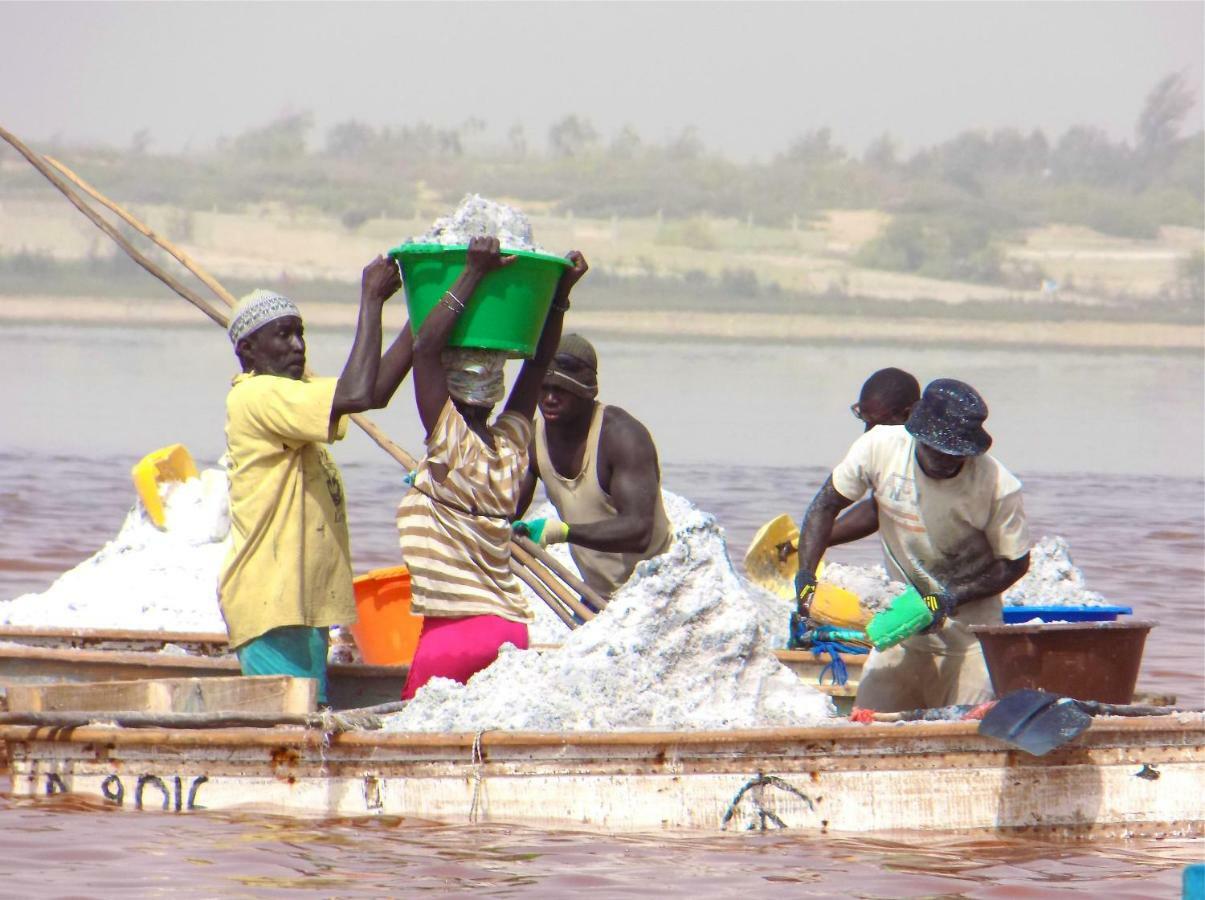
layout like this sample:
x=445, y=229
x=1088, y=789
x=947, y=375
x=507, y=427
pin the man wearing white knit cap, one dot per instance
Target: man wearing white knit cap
x=287, y=575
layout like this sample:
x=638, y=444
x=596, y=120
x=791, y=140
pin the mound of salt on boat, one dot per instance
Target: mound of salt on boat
x=145, y=578
x=686, y=644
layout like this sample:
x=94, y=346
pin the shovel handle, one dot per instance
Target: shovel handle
x=1125, y=709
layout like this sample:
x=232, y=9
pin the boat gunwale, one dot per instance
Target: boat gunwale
x=1102, y=729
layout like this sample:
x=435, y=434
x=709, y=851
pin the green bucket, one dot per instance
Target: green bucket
x=906, y=615
x=508, y=308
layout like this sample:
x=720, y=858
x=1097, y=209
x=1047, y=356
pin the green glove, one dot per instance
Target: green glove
x=543, y=531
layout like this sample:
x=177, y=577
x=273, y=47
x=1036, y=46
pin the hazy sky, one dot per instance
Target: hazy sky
x=748, y=76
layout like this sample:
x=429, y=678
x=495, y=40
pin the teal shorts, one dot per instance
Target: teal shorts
x=296, y=650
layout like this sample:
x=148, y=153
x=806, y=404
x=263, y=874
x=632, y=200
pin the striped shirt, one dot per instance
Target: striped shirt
x=455, y=535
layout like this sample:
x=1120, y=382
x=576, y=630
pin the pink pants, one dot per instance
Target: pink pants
x=460, y=648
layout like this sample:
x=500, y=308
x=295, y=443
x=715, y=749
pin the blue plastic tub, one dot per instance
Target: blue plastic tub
x=1014, y=615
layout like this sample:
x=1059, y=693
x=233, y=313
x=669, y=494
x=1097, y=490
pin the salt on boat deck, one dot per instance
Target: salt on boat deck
x=1121, y=777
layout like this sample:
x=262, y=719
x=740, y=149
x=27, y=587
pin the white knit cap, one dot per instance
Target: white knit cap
x=256, y=310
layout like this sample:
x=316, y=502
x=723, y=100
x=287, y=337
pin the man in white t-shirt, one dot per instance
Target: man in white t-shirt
x=951, y=523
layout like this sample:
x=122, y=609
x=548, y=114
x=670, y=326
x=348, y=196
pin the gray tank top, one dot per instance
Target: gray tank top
x=581, y=499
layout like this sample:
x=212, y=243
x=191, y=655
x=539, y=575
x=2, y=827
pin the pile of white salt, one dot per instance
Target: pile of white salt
x=478, y=217
x=146, y=578
x=685, y=644
x=1053, y=579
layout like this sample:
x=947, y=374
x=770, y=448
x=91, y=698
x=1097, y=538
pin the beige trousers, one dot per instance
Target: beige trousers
x=904, y=678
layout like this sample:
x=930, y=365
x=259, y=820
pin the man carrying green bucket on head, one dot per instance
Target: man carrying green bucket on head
x=952, y=525
x=287, y=575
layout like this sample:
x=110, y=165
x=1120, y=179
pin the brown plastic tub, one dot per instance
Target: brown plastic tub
x=1084, y=660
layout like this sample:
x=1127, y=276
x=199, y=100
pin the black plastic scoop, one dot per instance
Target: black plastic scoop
x=1038, y=722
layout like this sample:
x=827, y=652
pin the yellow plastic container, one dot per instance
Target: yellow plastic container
x=173, y=463
x=387, y=632
x=838, y=607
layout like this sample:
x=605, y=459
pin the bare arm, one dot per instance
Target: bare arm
x=816, y=532
x=997, y=577
x=859, y=521
x=430, y=379
x=355, y=391
x=526, y=393
x=634, y=487
x=527, y=488
x=395, y=365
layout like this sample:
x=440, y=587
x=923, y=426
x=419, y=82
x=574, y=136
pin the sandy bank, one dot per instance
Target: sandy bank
x=777, y=327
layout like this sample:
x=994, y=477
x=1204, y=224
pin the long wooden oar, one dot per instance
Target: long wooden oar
x=187, y=293
x=592, y=597
x=542, y=573
x=44, y=166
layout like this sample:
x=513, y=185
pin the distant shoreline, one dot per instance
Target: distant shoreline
x=684, y=324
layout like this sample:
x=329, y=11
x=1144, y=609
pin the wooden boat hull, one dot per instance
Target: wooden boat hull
x=1122, y=777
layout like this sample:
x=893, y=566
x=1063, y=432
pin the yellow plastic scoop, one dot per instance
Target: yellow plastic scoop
x=172, y=463
x=771, y=561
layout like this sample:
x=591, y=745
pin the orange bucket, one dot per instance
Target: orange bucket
x=387, y=632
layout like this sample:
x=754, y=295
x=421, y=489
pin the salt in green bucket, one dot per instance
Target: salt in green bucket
x=508, y=308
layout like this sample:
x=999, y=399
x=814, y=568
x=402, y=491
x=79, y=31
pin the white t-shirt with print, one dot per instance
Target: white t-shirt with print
x=935, y=531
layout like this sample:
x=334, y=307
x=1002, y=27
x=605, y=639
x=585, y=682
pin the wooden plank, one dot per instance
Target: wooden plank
x=151, y=696
x=66, y=635
x=264, y=694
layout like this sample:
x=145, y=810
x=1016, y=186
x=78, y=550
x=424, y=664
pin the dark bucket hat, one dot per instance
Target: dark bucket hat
x=949, y=418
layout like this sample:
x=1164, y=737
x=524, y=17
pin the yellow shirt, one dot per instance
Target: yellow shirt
x=289, y=562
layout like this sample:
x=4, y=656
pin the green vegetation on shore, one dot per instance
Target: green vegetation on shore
x=952, y=205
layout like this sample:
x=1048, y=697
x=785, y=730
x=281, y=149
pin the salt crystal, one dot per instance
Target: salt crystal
x=870, y=583
x=1052, y=580
x=146, y=578
x=685, y=644
x=476, y=217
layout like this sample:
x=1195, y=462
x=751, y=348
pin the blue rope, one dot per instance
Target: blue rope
x=821, y=644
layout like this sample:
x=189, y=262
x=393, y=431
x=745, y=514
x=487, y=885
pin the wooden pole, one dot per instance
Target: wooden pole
x=179, y=255
x=563, y=594
x=541, y=590
x=587, y=593
x=188, y=294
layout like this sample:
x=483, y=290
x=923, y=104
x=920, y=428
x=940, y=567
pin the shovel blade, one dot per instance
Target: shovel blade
x=1035, y=721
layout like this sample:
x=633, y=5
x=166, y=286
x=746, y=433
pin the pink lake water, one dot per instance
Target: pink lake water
x=1109, y=450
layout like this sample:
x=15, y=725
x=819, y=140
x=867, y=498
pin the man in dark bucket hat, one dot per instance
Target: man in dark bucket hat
x=949, y=419
x=600, y=471
x=951, y=523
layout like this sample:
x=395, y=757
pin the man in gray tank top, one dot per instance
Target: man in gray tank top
x=600, y=471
